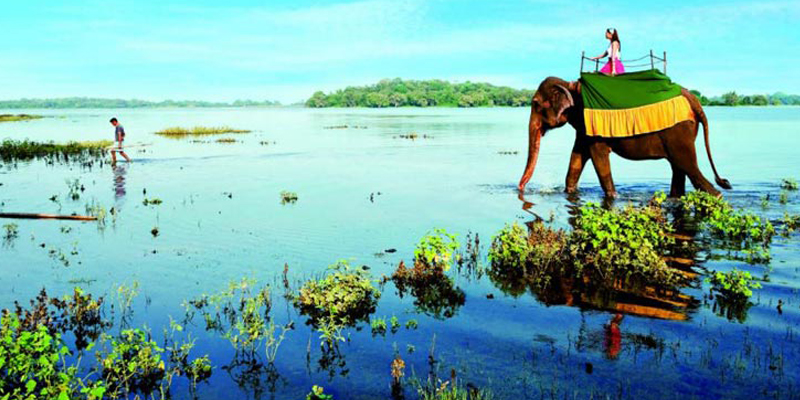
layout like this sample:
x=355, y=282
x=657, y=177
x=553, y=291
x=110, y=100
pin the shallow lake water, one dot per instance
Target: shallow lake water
x=363, y=190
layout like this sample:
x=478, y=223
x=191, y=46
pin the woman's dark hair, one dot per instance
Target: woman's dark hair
x=614, y=37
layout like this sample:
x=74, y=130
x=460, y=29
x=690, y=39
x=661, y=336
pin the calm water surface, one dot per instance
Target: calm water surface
x=361, y=191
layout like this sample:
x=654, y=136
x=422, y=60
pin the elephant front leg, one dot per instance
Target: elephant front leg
x=576, y=163
x=599, y=153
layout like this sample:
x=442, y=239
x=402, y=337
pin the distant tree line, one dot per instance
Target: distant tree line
x=734, y=99
x=90, y=102
x=427, y=93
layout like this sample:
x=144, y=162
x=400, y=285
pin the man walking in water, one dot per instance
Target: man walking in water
x=119, y=137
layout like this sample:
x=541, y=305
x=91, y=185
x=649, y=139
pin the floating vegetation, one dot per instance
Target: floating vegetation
x=789, y=184
x=75, y=189
x=241, y=314
x=14, y=151
x=790, y=223
x=178, y=132
x=226, y=140
x=412, y=324
x=737, y=230
x=155, y=201
x=18, y=117
x=341, y=299
x=434, y=292
x=508, y=152
x=288, y=197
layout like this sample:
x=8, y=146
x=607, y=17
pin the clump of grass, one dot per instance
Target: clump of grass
x=15, y=150
x=790, y=223
x=735, y=285
x=288, y=197
x=226, y=140
x=18, y=117
x=179, y=132
x=739, y=230
x=450, y=390
x=508, y=152
x=412, y=324
x=789, y=184
x=342, y=298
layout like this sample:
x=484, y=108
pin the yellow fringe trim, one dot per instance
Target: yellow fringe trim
x=639, y=120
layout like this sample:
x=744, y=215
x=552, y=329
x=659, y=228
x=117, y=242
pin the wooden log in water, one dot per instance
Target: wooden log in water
x=48, y=216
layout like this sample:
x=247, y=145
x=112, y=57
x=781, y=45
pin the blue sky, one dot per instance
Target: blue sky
x=285, y=50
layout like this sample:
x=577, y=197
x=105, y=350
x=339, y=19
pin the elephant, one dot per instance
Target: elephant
x=558, y=102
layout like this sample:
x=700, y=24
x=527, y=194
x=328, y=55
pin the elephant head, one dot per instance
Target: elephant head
x=548, y=111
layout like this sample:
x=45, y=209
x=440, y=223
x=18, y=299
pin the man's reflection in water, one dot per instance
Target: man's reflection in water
x=119, y=180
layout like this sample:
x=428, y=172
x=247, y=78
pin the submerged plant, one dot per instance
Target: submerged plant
x=341, y=299
x=378, y=326
x=155, y=201
x=11, y=232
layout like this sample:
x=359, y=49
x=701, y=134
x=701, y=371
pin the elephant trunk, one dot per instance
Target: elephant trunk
x=534, y=141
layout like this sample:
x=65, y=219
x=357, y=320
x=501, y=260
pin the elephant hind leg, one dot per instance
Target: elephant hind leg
x=684, y=159
x=678, y=186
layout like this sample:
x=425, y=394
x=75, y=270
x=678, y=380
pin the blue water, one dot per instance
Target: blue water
x=222, y=220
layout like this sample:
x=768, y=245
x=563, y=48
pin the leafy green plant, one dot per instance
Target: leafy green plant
x=783, y=198
x=789, y=184
x=734, y=285
x=318, y=393
x=241, y=314
x=155, y=201
x=342, y=298
x=436, y=249
x=790, y=223
x=622, y=244
x=378, y=326
x=739, y=230
x=395, y=323
x=13, y=151
x=132, y=363
x=412, y=324
x=510, y=247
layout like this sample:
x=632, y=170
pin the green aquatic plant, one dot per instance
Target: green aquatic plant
x=783, y=198
x=318, y=393
x=412, y=324
x=789, y=184
x=378, y=326
x=790, y=223
x=11, y=232
x=131, y=363
x=75, y=189
x=288, y=197
x=740, y=230
x=436, y=249
x=241, y=314
x=395, y=323
x=33, y=364
x=342, y=298
x=622, y=244
x=510, y=247
x=450, y=390
x=13, y=151
x=434, y=292
x=735, y=285
x=155, y=201
x=18, y=117
x=178, y=132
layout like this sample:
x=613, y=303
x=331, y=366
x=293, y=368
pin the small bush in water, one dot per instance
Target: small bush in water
x=742, y=230
x=318, y=393
x=734, y=285
x=343, y=298
x=378, y=326
x=436, y=249
x=288, y=197
x=622, y=244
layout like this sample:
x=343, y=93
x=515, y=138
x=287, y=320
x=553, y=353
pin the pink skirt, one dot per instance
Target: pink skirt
x=617, y=65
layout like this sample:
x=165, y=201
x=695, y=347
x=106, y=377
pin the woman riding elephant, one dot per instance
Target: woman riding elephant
x=558, y=102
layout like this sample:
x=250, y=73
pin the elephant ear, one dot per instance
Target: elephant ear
x=562, y=100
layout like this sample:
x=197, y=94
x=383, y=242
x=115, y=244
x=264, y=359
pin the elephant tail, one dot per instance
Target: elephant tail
x=701, y=116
